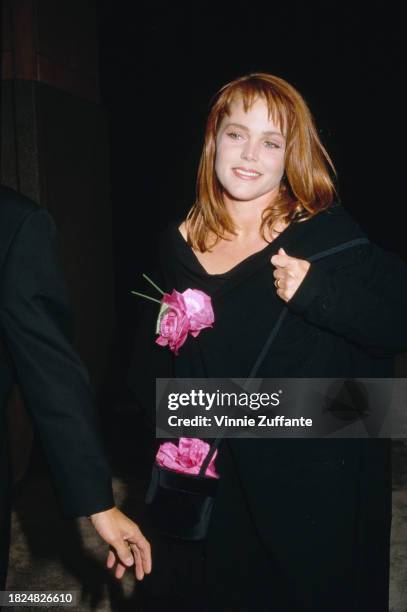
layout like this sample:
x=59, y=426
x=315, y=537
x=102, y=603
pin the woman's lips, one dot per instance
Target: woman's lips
x=246, y=174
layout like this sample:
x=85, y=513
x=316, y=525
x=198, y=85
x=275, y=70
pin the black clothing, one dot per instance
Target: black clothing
x=36, y=331
x=300, y=525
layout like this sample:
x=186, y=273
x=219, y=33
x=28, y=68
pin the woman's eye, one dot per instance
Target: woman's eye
x=234, y=135
x=272, y=145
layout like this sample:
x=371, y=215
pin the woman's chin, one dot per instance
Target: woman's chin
x=241, y=195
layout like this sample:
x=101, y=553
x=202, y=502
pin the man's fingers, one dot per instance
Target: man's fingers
x=120, y=571
x=111, y=559
x=127, y=553
x=123, y=552
x=111, y=562
x=145, y=552
x=139, y=569
x=142, y=553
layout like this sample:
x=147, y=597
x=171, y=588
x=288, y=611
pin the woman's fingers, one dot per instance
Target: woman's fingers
x=288, y=274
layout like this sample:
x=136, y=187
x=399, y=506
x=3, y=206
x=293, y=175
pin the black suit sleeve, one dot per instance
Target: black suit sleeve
x=36, y=323
x=365, y=303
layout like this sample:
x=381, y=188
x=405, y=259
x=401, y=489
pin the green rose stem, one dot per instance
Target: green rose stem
x=146, y=296
x=163, y=308
x=152, y=283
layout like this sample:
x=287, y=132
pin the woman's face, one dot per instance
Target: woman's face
x=250, y=149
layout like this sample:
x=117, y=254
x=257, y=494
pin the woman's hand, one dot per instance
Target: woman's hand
x=289, y=273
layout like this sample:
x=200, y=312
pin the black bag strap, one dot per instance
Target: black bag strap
x=209, y=456
x=276, y=328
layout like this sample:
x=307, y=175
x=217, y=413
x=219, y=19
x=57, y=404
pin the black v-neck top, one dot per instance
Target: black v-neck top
x=186, y=251
x=232, y=294
x=189, y=261
x=244, y=299
x=341, y=312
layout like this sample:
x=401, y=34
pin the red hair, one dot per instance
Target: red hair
x=307, y=187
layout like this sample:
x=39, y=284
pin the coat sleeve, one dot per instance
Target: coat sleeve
x=36, y=324
x=365, y=303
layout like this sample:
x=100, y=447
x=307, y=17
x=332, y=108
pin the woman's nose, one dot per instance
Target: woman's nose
x=249, y=151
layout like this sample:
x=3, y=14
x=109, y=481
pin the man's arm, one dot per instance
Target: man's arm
x=36, y=322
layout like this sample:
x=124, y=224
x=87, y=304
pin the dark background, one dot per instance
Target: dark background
x=161, y=62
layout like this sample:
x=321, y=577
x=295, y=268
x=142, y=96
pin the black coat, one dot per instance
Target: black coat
x=36, y=331
x=298, y=525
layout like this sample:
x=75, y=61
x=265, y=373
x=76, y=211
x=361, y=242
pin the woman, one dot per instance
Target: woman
x=298, y=525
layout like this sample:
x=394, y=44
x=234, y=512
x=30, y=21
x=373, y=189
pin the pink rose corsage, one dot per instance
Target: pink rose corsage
x=181, y=314
x=187, y=457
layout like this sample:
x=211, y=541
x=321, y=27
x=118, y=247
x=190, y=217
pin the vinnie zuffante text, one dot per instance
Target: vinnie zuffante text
x=261, y=420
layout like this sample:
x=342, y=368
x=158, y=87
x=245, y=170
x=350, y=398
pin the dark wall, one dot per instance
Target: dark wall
x=54, y=149
x=74, y=153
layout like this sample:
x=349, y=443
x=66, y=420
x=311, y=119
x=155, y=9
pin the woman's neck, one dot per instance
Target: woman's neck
x=247, y=216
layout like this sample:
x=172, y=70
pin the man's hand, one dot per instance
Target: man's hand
x=289, y=273
x=127, y=544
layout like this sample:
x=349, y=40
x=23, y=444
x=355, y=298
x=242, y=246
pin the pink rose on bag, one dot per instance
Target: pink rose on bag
x=180, y=314
x=187, y=457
